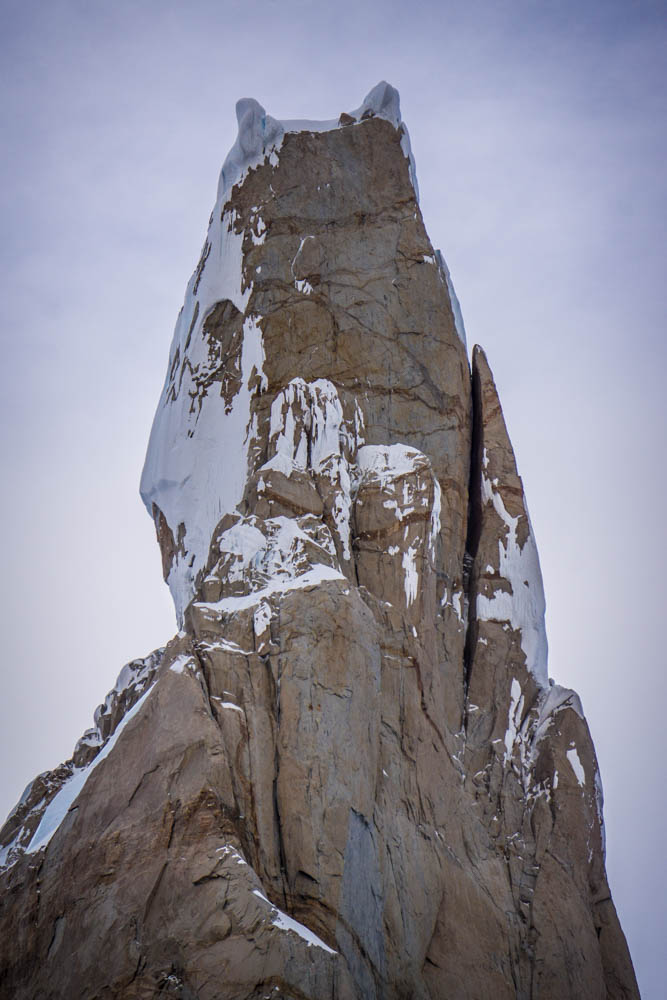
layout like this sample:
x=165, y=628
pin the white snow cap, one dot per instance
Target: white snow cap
x=260, y=135
x=384, y=102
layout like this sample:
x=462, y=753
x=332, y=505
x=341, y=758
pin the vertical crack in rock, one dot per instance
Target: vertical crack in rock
x=474, y=530
x=348, y=774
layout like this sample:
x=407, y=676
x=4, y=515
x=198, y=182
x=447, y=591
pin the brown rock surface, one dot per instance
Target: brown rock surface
x=348, y=775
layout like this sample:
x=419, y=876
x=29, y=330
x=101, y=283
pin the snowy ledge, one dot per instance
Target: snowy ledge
x=286, y=923
x=311, y=578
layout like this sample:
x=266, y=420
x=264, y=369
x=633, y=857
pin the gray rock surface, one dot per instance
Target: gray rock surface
x=348, y=775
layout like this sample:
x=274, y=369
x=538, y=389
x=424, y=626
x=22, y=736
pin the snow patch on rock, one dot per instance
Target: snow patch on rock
x=229, y=705
x=514, y=718
x=309, y=433
x=286, y=923
x=61, y=803
x=262, y=619
x=524, y=607
x=311, y=578
x=35, y=810
x=259, y=135
x=197, y=458
x=436, y=526
x=181, y=662
x=405, y=480
x=576, y=765
x=555, y=699
x=390, y=462
x=411, y=574
x=282, y=550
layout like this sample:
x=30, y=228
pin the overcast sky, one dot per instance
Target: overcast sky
x=538, y=130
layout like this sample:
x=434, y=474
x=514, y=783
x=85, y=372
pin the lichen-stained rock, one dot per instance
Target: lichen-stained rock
x=348, y=775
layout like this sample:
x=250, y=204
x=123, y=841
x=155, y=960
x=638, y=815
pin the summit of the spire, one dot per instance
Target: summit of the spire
x=260, y=135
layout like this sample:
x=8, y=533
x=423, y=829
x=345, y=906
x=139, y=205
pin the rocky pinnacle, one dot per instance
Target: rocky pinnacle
x=349, y=775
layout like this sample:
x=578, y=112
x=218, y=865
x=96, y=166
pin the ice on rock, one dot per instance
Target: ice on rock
x=382, y=101
x=258, y=135
x=524, y=607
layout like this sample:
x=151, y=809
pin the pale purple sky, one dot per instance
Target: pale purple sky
x=538, y=130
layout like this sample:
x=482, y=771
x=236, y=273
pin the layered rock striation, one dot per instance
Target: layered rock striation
x=348, y=775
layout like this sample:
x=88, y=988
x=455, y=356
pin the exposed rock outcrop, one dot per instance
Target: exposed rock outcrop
x=348, y=775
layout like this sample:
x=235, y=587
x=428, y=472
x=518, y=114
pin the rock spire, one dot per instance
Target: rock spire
x=348, y=775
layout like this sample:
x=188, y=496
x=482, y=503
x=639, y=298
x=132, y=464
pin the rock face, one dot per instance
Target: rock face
x=348, y=775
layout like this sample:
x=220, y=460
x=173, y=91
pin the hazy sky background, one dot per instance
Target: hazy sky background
x=538, y=130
